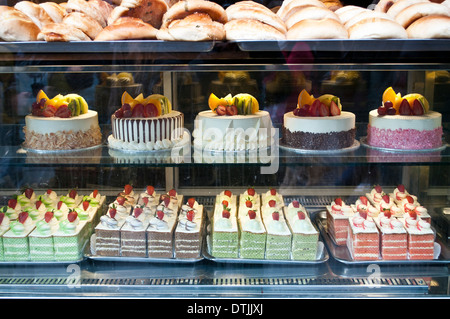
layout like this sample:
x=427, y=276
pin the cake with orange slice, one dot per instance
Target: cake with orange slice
x=146, y=124
x=233, y=123
x=318, y=124
x=61, y=123
x=404, y=123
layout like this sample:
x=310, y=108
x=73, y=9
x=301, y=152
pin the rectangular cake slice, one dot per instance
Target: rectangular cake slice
x=224, y=230
x=107, y=233
x=363, y=238
x=253, y=235
x=279, y=237
x=15, y=240
x=421, y=238
x=189, y=230
x=69, y=239
x=337, y=221
x=133, y=237
x=41, y=239
x=393, y=239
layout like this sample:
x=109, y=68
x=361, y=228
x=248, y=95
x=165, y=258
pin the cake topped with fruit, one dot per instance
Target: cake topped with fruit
x=233, y=123
x=404, y=123
x=146, y=124
x=318, y=124
x=63, y=122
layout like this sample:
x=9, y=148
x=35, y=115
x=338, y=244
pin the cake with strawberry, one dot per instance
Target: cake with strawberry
x=404, y=123
x=4, y=227
x=393, y=239
x=61, y=123
x=224, y=230
x=318, y=124
x=420, y=237
x=189, y=230
x=148, y=198
x=279, y=237
x=41, y=238
x=233, y=123
x=70, y=238
x=133, y=237
x=146, y=124
x=252, y=232
x=15, y=240
x=363, y=238
x=337, y=220
x=107, y=233
x=272, y=195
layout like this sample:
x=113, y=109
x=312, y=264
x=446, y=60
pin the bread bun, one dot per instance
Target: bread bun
x=317, y=29
x=384, y=5
x=54, y=10
x=127, y=28
x=248, y=29
x=194, y=27
x=149, y=11
x=85, y=23
x=184, y=8
x=430, y=27
x=419, y=10
x=348, y=12
x=61, y=32
x=102, y=7
x=35, y=12
x=402, y=4
x=16, y=26
x=254, y=11
x=446, y=3
x=289, y=5
x=363, y=15
x=310, y=12
x=83, y=6
x=376, y=28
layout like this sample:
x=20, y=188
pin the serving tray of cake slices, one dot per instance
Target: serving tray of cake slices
x=261, y=229
x=359, y=234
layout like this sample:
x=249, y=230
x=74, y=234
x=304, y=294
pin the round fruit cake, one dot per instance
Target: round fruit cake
x=318, y=124
x=404, y=123
x=61, y=123
x=145, y=124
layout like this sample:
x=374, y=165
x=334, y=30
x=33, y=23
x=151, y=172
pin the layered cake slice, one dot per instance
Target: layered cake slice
x=15, y=240
x=224, y=232
x=4, y=227
x=27, y=198
x=61, y=210
x=420, y=237
x=189, y=230
x=36, y=211
x=363, y=238
x=49, y=198
x=12, y=209
x=338, y=214
x=107, y=234
x=278, y=240
x=87, y=213
x=363, y=204
x=375, y=195
x=393, y=240
x=41, y=238
x=70, y=238
x=161, y=229
x=253, y=235
x=226, y=198
x=72, y=199
x=149, y=197
x=133, y=237
x=272, y=195
x=304, y=235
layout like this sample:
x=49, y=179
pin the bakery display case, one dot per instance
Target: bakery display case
x=186, y=73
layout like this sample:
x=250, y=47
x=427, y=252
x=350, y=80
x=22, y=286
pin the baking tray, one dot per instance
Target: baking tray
x=347, y=45
x=343, y=255
x=91, y=255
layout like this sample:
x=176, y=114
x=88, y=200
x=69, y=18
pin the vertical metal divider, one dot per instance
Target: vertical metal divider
x=170, y=91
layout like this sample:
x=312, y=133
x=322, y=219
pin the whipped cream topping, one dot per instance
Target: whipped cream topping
x=109, y=222
x=134, y=223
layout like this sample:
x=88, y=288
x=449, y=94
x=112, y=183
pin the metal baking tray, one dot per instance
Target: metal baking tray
x=347, y=45
x=343, y=255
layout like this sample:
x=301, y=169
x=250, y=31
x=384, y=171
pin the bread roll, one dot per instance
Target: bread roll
x=103, y=7
x=376, y=28
x=333, y=5
x=149, y=11
x=16, y=26
x=310, y=12
x=384, y=5
x=365, y=15
x=127, y=28
x=419, y=10
x=317, y=29
x=248, y=29
x=54, y=10
x=35, y=12
x=61, y=32
x=84, y=7
x=349, y=12
x=184, y=8
x=400, y=5
x=289, y=5
x=254, y=11
x=85, y=23
x=194, y=27
x=430, y=27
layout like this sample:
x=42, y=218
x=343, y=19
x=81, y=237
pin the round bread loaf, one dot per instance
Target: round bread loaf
x=249, y=29
x=255, y=11
x=127, y=28
x=84, y=7
x=16, y=26
x=402, y=4
x=376, y=28
x=35, y=12
x=430, y=27
x=384, y=5
x=103, y=8
x=150, y=11
x=61, y=32
x=183, y=8
x=348, y=12
x=194, y=27
x=54, y=10
x=310, y=12
x=85, y=23
x=363, y=15
x=317, y=29
x=289, y=5
x=419, y=10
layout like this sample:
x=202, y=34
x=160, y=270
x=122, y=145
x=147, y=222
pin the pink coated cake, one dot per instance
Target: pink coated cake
x=405, y=132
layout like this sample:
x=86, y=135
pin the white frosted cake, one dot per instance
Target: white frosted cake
x=232, y=132
x=319, y=133
x=410, y=132
x=57, y=133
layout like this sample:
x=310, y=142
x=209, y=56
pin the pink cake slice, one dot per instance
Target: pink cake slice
x=338, y=214
x=420, y=238
x=363, y=239
x=393, y=237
